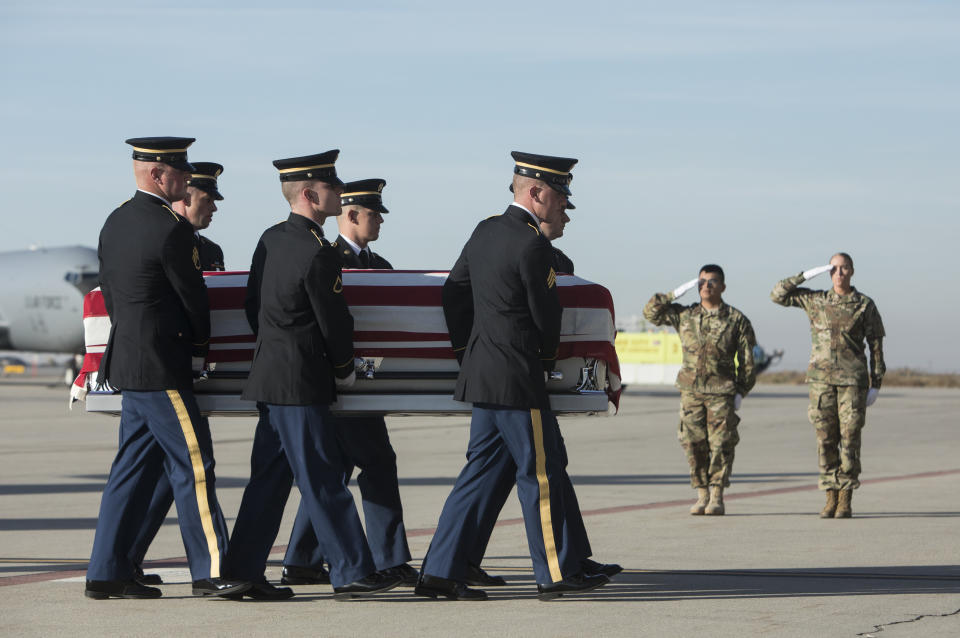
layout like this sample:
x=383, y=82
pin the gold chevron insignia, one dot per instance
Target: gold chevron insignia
x=551, y=278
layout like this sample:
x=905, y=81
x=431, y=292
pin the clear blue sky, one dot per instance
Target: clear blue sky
x=763, y=136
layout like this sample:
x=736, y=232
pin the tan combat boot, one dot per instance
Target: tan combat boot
x=703, y=497
x=831, y=506
x=843, y=504
x=715, y=508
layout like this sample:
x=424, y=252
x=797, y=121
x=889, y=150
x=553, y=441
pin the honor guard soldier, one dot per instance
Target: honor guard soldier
x=554, y=230
x=364, y=440
x=197, y=207
x=503, y=312
x=160, y=317
x=716, y=373
x=304, y=352
x=476, y=575
x=842, y=319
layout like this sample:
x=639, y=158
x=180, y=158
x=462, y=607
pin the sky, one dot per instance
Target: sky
x=763, y=136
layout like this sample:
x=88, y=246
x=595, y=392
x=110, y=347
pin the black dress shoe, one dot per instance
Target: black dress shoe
x=408, y=575
x=219, y=587
x=103, y=589
x=575, y=584
x=375, y=583
x=263, y=590
x=479, y=578
x=146, y=579
x=592, y=567
x=435, y=587
x=294, y=575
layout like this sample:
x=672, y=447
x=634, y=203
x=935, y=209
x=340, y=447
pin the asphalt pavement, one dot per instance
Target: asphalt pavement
x=769, y=567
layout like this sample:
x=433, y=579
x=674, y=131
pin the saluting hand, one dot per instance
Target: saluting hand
x=813, y=272
x=679, y=291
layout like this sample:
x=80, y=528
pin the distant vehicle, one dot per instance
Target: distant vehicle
x=654, y=358
x=763, y=360
x=41, y=300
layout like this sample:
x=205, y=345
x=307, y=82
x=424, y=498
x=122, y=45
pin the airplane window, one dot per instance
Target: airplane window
x=84, y=281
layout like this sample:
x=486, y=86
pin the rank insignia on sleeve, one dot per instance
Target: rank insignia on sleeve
x=338, y=285
x=551, y=278
x=196, y=258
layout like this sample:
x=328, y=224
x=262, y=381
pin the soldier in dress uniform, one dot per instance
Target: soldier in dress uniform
x=304, y=353
x=197, y=207
x=160, y=317
x=717, y=372
x=475, y=574
x=364, y=440
x=842, y=319
x=502, y=309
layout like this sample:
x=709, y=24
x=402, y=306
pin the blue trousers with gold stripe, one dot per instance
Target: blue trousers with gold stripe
x=160, y=433
x=532, y=440
x=365, y=444
x=160, y=503
x=500, y=492
x=298, y=441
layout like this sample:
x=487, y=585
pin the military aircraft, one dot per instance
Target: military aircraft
x=41, y=300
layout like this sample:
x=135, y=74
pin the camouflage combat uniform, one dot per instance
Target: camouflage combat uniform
x=838, y=377
x=708, y=380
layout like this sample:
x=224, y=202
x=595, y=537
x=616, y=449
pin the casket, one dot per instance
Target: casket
x=406, y=364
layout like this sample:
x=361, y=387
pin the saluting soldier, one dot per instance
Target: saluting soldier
x=304, y=352
x=716, y=373
x=502, y=310
x=160, y=317
x=842, y=319
x=197, y=207
x=475, y=574
x=364, y=440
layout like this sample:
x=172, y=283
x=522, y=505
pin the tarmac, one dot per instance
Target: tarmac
x=769, y=567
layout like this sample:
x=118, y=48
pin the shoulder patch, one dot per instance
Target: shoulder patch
x=551, y=278
x=338, y=285
x=196, y=258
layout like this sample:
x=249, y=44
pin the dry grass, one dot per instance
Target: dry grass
x=898, y=377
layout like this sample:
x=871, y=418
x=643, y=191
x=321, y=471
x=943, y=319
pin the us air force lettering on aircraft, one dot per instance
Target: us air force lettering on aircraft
x=41, y=298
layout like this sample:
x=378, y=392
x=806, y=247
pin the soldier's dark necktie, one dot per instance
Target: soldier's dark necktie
x=364, y=258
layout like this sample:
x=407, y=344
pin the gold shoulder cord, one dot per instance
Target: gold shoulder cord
x=175, y=216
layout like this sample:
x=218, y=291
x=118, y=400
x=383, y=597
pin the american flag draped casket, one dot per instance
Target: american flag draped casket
x=406, y=362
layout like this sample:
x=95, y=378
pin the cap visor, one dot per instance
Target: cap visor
x=182, y=165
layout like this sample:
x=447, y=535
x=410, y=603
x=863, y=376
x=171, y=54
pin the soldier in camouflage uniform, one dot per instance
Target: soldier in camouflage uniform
x=841, y=388
x=711, y=382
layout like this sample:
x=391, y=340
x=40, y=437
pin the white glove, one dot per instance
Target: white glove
x=680, y=291
x=813, y=272
x=872, y=395
x=737, y=401
x=346, y=382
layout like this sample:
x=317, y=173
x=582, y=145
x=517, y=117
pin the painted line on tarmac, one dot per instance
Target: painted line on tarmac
x=428, y=531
